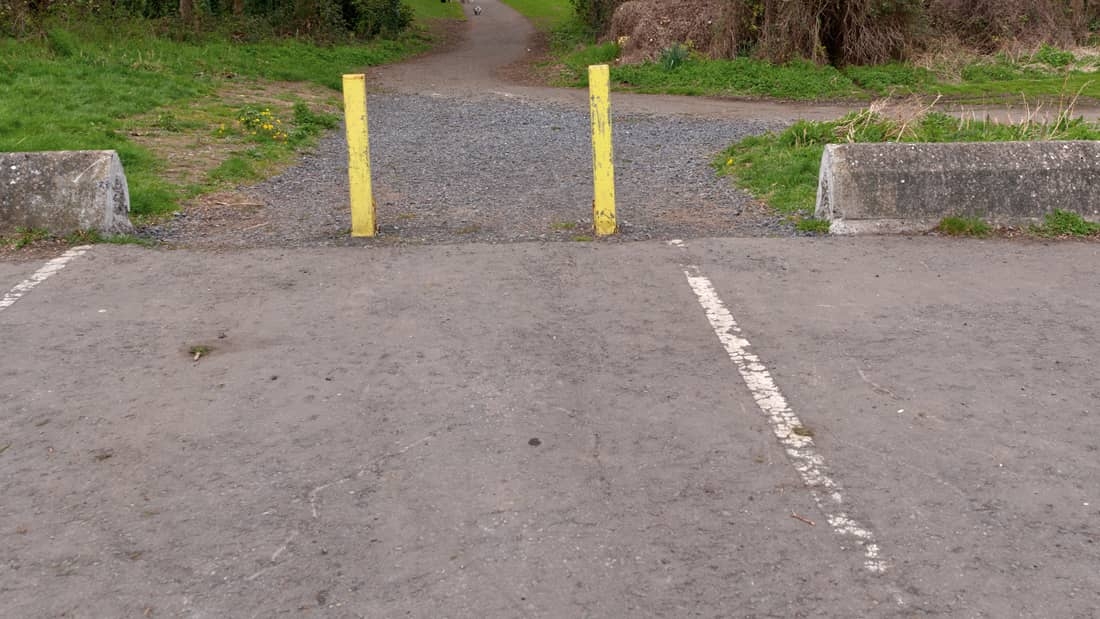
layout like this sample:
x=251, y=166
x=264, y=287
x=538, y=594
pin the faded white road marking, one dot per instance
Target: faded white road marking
x=785, y=424
x=41, y=275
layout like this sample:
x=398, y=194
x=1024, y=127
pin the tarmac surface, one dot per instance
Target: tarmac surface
x=551, y=430
x=723, y=427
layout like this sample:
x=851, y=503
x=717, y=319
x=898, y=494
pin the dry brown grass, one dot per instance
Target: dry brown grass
x=852, y=31
x=994, y=25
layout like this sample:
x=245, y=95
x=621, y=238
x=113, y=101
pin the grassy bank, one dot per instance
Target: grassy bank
x=109, y=85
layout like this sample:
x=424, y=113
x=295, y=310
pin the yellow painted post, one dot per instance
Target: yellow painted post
x=603, y=168
x=355, y=116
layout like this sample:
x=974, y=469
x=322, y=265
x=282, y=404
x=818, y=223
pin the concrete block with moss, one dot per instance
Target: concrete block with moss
x=64, y=192
x=901, y=187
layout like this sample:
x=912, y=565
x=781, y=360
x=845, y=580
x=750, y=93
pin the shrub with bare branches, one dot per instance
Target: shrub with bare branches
x=843, y=31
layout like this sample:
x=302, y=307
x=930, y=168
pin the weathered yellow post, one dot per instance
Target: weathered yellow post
x=355, y=115
x=603, y=168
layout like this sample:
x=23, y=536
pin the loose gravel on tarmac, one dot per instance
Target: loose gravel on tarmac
x=449, y=170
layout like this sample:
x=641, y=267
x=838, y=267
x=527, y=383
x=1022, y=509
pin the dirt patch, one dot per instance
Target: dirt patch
x=645, y=27
x=194, y=140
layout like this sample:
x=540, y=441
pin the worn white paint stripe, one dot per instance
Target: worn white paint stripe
x=800, y=449
x=41, y=275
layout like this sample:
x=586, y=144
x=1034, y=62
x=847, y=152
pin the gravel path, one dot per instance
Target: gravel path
x=461, y=154
x=451, y=170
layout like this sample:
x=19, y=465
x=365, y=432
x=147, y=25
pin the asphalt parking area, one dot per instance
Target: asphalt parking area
x=551, y=430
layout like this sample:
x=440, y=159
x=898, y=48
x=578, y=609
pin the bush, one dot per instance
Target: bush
x=1053, y=56
x=857, y=32
x=379, y=17
x=321, y=20
x=596, y=13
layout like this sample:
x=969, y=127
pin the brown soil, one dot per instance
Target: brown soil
x=645, y=27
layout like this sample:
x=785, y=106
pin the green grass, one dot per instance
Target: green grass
x=24, y=237
x=782, y=168
x=964, y=226
x=1048, y=74
x=812, y=226
x=75, y=88
x=544, y=14
x=740, y=76
x=894, y=78
x=434, y=9
x=85, y=237
x=1065, y=223
x=576, y=62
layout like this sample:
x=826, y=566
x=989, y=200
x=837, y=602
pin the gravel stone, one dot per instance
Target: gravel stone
x=496, y=170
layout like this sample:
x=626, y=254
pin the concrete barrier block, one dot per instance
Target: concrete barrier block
x=891, y=187
x=64, y=191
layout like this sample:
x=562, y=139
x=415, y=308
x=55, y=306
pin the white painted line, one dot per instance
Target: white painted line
x=786, y=426
x=41, y=275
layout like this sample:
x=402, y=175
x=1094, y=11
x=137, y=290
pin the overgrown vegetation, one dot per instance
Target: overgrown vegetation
x=842, y=33
x=782, y=168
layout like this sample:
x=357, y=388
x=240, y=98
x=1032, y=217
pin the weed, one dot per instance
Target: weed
x=673, y=57
x=262, y=123
x=308, y=123
x=582, y=238
x=28, y=236
x=89, y=237
x=168, y=122
x=563, y=225
x=1053, y=56
x=812, y=225
x=1065, y=223
x=234, y=169
x=964, y=226
x=199, y=351
x=470, y=229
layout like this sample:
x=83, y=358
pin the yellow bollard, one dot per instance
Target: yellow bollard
x=603, y=168
x=355, y=115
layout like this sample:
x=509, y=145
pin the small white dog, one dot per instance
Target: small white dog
x=477, y=10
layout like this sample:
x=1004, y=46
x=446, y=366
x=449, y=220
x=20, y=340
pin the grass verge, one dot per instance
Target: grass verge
x=1046, y=74
x=544, y=14
x=88, y=85
x=782, y=168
